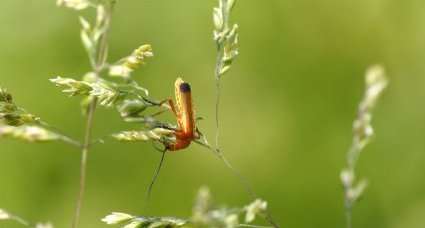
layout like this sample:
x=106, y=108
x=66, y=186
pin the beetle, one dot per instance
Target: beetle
x=186, y=131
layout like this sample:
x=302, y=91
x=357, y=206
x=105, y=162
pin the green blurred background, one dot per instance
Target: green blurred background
x=287, y=110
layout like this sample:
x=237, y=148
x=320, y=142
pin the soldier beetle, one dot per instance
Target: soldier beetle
x=186, y=130
x=185, y=114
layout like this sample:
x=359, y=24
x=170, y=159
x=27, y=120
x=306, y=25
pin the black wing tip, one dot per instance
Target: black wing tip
x=185, y=87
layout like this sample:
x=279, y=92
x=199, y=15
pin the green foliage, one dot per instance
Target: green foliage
x=225, y=36
x=10, y=113
x=375, y=81
x=17, y=123
x=156, y=134
x=205, y=214
x=124, y=67
x=28, y=133
x=132, y=101
x=74, y=4
x=5, y=215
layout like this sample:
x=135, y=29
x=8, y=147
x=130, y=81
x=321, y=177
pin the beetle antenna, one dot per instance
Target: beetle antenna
x=155, y=177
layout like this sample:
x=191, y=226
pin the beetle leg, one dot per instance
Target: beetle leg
x=198, y=134
x=157, y=148
x=198, y=119
x=170, y=102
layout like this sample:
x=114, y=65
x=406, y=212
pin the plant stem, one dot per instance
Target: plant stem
x=85, y=149
x=63, y=136
x=92, y=108
x=217, y=76
x=352, y=157
x=347, y=214
x=235, y=172
x=348, y=207
x=20, y=220
x=102, y=46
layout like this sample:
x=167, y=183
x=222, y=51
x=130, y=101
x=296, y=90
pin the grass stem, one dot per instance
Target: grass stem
x=87, y=141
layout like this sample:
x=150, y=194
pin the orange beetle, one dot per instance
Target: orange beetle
x=186, y=131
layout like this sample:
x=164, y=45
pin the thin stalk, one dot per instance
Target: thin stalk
x=103, y=42
x=70, y=140
x=348, y=206
x=92, y=108
x=347, y=214
x=63, y=136
x=20, y=220
x=352, y=157
x=85, y=150
x=218, y=66
x=217, y=77
x=235, y=172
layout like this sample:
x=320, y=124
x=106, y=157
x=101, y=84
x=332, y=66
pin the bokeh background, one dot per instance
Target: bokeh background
x=287, y=109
